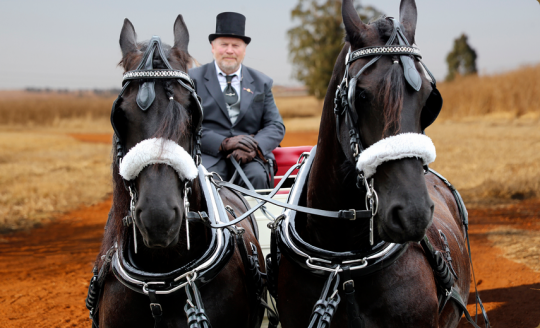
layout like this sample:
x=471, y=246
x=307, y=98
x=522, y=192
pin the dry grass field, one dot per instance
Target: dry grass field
x=490, y=160
x=43, y=173
x=516, y=93
x=487, y=139
x=30, y=109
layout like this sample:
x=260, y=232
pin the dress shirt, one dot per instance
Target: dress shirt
x=235, y=81
x=234, y=111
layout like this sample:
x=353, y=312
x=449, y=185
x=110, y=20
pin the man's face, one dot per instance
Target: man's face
x=229, y=53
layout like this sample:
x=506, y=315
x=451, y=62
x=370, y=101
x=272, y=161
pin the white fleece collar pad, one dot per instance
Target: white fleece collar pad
x=158, y=151
x=405, y=145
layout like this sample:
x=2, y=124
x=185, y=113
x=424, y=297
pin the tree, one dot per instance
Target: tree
x=317, y=41
x=462, y=59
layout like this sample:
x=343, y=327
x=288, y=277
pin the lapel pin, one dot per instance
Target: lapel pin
x=248, y=90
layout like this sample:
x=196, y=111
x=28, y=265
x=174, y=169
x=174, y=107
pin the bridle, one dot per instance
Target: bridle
x=146, y=74
x=345, y=98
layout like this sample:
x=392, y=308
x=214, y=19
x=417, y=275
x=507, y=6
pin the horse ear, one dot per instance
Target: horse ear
x=181, y=34
x=407, y=17
x=353, y=24
x=128, y=38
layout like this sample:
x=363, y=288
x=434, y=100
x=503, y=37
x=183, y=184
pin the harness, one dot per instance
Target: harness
x=223, y=240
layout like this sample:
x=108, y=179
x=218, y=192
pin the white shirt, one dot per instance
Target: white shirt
x=235, y=111
x=223, y=81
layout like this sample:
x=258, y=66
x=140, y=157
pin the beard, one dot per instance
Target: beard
x=228, y=65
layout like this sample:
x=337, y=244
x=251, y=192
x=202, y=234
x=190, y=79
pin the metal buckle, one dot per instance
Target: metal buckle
x=354, y=214
x=348, y=281
x=157, y=305
x=302, y=157
x=211, y=177
x=272, y=225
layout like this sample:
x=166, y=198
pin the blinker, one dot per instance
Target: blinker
x=147, y=92
x=409, y=69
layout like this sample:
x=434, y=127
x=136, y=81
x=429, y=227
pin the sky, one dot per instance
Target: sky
x=73, y=44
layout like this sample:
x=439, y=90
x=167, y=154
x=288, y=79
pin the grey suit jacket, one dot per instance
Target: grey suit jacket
x=258, y=112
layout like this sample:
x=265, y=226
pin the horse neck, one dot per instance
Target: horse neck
x=332, y=183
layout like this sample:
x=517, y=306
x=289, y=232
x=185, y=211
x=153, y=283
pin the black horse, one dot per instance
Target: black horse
x=379, y=90
x=161, y=264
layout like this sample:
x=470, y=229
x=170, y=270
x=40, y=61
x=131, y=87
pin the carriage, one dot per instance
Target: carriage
x=286, y=157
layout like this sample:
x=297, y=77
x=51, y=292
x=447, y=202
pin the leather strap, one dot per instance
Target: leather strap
x=326, y=306
x=244, y=178
x=194, y=308
x=96, y=287
x=343, y=214
x=461, y=305
x=156, y=310
x=465, y=219
x=354, y=320
x=256, y=207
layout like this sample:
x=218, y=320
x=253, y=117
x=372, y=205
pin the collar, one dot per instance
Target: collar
x=219, y=71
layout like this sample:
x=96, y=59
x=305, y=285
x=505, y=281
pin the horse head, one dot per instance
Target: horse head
x=388, y=94
x=153, y=124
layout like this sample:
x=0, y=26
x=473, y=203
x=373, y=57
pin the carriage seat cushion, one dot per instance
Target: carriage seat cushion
x=287, y=157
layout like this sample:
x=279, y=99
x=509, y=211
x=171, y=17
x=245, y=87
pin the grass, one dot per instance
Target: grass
x=44, y=174
x=487, y=139
x=516, y=93
x=490, y=160
x=31, y=109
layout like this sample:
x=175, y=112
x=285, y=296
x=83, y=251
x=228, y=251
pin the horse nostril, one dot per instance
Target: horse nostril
x=396, y=218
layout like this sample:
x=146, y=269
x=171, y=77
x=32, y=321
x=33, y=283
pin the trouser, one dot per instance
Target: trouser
x=256, y=171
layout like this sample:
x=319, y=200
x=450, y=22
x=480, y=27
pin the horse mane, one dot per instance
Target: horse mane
x=174, y=125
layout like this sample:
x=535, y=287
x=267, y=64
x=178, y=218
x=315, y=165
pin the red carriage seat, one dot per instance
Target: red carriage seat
x=287, y=157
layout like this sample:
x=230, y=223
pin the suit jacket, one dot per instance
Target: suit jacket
x=258, y=112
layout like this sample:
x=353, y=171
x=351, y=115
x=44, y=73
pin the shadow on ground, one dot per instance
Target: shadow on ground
x=514, y=307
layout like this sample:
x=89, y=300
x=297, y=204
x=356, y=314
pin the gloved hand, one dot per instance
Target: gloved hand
x=243, y=157
x=241, y=142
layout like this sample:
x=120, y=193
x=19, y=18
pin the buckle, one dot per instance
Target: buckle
x=347, y=282
x=157, y=307
x=354, y=214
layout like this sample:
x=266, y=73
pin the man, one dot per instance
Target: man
x=241, y=119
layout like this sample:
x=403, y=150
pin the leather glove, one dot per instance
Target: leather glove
x=242, y=142
x=243, y=157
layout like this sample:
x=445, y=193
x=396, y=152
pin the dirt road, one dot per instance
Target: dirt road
x=45, y=272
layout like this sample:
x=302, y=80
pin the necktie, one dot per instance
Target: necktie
x=229, y=92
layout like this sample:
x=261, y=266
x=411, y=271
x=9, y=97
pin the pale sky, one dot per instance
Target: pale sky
x=74, y=44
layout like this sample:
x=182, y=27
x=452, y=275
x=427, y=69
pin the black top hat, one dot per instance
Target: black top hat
x=231, y=25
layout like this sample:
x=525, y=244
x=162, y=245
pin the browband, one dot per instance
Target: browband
x=383, y=50
x=157, y=74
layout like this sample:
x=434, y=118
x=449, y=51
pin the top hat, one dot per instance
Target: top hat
x=230, y=25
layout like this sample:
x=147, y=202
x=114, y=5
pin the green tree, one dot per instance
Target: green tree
x=315, y=43
x=462, y=59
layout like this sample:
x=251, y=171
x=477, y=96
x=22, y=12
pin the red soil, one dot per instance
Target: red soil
x=45, y=271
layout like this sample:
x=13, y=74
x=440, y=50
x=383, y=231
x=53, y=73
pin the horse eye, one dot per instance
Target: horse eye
x=362, y=94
